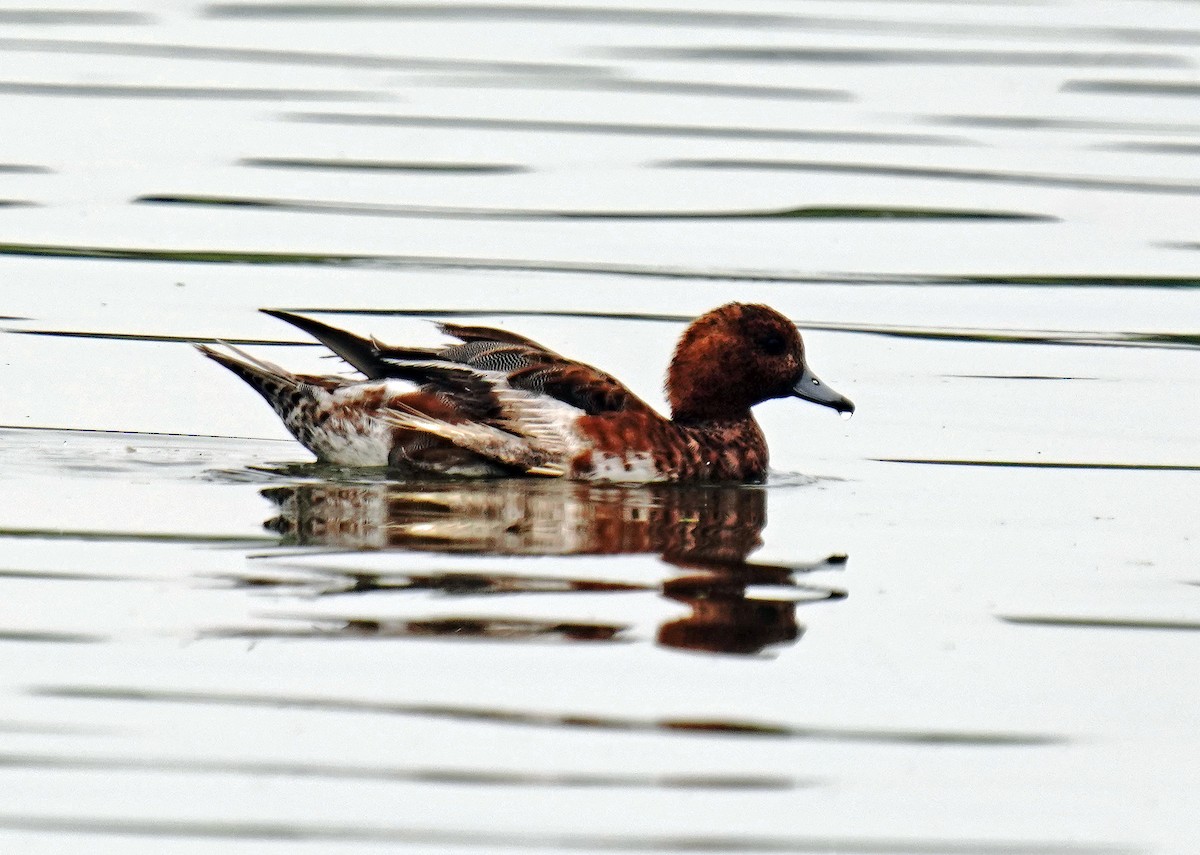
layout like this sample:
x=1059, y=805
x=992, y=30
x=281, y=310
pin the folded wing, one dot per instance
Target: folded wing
x=479, y=374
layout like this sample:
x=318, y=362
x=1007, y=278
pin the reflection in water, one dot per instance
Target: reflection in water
x=899, y=170
x=382, y=772
x=642, y=129
x=450, y=212
x=705, y=532
x=526, y=717
x=644, y=271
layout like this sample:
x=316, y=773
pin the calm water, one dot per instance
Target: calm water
x=963, y=622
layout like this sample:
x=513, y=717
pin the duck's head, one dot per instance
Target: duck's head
x=739, y=355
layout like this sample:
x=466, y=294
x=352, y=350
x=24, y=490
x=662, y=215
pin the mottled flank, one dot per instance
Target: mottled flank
x=497, y=403
x=719, y=450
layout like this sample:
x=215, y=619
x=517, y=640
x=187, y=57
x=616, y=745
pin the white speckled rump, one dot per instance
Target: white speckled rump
x=351, y=435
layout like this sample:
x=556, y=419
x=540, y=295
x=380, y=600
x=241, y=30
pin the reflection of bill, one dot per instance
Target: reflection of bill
x=706, y=531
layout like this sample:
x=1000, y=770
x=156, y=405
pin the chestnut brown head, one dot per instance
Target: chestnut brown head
x=739, y=355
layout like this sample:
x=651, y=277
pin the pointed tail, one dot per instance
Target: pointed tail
x=360, y=352
x=275, y=384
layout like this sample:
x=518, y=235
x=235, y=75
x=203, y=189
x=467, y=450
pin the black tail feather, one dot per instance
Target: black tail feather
x=363, y=354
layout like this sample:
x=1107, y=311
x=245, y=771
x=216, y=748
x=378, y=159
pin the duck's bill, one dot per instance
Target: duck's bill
x=810, y=388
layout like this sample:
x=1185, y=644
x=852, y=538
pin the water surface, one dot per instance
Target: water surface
x=959, y=623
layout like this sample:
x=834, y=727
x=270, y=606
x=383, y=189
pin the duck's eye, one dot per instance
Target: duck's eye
x=772, y=344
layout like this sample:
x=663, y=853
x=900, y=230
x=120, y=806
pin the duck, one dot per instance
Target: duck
x=495, y=403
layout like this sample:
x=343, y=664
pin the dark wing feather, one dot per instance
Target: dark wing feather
x=493, y=355
x=579, y=385
x=387, y=351
x=468, y=390
x=465, y=333
x=452, y=372
x=535, y=368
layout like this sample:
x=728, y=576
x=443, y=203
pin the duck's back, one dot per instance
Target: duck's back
x=520, y=363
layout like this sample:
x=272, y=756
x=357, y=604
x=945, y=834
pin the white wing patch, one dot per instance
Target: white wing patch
x=537, y=432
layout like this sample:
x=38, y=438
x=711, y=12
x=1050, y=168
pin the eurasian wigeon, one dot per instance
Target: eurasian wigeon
x=497, y=403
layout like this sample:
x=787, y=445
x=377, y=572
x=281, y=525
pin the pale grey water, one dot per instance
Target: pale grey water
x=972, y=623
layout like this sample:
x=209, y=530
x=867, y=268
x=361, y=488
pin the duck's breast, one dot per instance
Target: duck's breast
x=644, y=447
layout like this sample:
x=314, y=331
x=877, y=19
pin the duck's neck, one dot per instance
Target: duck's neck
x=726, y=449
x=699, y=417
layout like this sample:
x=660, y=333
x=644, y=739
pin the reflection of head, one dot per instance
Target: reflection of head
x=732, y=625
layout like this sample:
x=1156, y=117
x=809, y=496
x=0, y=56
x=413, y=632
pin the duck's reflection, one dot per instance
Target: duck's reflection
x=705, y=532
